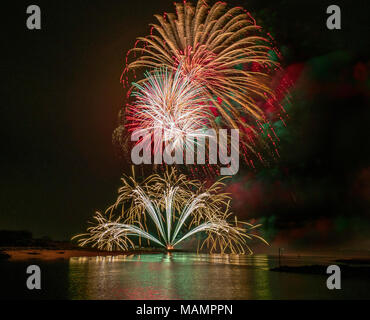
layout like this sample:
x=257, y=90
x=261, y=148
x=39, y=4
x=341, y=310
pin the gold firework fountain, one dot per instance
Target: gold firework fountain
x=166, y=211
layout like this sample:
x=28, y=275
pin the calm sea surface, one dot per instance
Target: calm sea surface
x=176, y=276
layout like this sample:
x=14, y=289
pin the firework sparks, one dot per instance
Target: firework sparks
x=170, y=104
x=176, y=209
x=222, y=50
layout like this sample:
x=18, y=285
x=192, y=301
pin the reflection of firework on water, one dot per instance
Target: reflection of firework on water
x=169, y=104
x=167, y=211
x=225, y=52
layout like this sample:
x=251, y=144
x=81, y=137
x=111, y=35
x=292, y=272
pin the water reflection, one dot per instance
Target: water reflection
x=179, y=276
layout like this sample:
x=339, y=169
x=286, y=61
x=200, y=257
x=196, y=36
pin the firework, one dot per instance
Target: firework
x=166, y=211
x=169, y=104
x=225, y=52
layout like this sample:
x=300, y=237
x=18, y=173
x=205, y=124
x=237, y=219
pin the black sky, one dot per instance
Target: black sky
x=61, y=95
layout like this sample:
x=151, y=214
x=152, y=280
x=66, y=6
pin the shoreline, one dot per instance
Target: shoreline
x=67, y=252
x=22, y=254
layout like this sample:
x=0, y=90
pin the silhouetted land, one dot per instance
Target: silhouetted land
x=355, y=261
x=20, y=245
x=4, y=256
x=346, y=270
x=25, y=239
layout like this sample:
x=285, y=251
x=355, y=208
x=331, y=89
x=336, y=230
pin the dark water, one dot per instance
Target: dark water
x=175, y=276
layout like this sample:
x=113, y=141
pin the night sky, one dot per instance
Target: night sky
x=61, y=95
